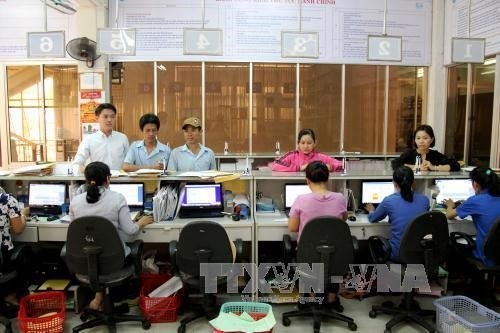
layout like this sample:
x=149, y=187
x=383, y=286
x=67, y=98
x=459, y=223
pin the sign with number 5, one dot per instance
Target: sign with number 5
x=116, y=41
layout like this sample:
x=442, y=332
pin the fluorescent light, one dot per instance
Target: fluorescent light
x=490, y=61
x=488, y=72
x=420, y=72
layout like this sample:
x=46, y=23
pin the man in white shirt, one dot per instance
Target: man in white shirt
x=106, y=145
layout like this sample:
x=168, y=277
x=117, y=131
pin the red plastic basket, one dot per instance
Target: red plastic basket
x=157, y=309
x=43, y=312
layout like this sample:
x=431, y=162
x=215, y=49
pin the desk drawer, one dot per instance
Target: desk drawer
x=274, y=233
x=375, y=229
x=30, y=234
x=159, y=235
x=54, y=233
x=245, y=233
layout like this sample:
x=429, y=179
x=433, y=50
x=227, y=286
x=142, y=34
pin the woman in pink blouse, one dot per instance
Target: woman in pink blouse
x=298, y=160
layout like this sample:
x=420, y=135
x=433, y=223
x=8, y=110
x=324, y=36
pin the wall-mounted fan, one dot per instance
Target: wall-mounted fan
x=83, y=49
x=63, y=6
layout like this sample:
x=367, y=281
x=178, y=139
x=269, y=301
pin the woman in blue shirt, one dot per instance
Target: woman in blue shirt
x=484, y=207
x=402, y=207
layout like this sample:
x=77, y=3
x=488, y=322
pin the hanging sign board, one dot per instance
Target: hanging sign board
x=116, y=41
x=49, y=44
x=203, y=41
x=384, y=48
x=299, y=44
x=467, y=50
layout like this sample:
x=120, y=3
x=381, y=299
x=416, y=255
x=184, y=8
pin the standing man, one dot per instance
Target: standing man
x=106, y=145
x=192, y=156
x=148, y=153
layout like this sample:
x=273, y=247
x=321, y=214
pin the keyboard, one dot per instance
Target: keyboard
x=187, y=214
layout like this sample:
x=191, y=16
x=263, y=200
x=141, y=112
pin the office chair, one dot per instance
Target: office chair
x=201, y=242
x=486, y=274
x=94, y=253
x=424, y=241
x=326, y=240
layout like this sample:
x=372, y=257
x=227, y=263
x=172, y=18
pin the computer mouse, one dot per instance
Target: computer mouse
x=52, y=218
x=352, y=218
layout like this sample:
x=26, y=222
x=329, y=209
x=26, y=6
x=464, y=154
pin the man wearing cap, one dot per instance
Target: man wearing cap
x=192, y=156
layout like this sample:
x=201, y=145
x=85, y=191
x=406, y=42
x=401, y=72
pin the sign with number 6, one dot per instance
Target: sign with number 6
x=48, y=44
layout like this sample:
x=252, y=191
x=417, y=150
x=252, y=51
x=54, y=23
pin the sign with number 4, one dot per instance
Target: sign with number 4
x=384, y=48
x=299, y=44
x=203, y=41
x=46, y=44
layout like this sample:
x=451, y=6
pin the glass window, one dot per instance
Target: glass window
x=320, y=103
x=455, y=111
x=132, y=93
x=227, y=102
x=364, y=108
x=179, y=97
x=407, y=103
x=273, y=113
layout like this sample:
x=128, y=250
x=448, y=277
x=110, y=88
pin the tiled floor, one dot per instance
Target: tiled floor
x=353, y=308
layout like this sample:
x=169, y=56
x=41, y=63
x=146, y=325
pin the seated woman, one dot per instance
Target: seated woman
x=99, y=200
x=432, y=160
x=402, y=207
x=484, y=207
x=321, y=202
x=298, y=160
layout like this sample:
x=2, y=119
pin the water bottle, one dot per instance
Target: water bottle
x=418, y=161
x=226, y=147
x=277, y=148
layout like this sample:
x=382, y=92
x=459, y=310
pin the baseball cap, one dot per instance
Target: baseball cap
x=193, y=121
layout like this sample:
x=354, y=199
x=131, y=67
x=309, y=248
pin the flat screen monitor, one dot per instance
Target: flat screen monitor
x=292, y=191
x=202, y=195
x=375, y=191
x=43, y=194
x=133, y=193
x=454, y=189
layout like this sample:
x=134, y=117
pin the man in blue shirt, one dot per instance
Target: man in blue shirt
x=148, y=153
x=192, y=156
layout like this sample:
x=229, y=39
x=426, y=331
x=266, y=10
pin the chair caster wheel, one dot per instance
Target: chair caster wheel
x=372, y=314
x=181, y=329
x=146, y=325
x=286, y=321
x=84, y=316
x=352, y=326
x=387, y=330
x=339, y=308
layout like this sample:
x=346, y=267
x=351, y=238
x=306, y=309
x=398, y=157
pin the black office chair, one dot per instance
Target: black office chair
x=484, y=289
x=424, y=241
x=94, y=253
x=326, y=240
x=201, y=242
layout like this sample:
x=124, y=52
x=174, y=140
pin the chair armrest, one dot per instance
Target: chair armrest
x=63, y=253
x=355, y=246
x=456, y=235
x=238, y=243
x=380, y=249
x=287, y=249
x=136, y=254
x=18, y=252
x=172, y=251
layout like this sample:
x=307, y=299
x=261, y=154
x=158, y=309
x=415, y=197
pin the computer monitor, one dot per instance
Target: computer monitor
x=292, y=191
x=375, y=191
x=202, y=195
x=454, y=189
x=133, y=193
x=46, y=198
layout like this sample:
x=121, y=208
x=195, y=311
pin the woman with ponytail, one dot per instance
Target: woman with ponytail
x=484, y=207
x=402, y=207
x=99, y=200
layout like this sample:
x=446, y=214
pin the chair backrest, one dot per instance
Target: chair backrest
x=425, y=240
x=202, y=242
x=492, y=242
x=331, y=234
x=94, y=231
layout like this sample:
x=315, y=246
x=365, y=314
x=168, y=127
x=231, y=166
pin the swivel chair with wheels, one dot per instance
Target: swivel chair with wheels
x=424, y=241
x=94, y=252
x=201, y=242
x=325, y=240
x=485, y=287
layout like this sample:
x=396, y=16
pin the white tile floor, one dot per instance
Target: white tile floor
x=353, y=308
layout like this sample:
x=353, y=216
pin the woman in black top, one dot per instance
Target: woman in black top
x=432, y=160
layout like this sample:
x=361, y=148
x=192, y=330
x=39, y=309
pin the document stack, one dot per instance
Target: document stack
x=35, y=170
x=165, y=203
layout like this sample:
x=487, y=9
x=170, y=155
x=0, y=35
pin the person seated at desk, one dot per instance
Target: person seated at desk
x=306, y=153
x=192, y=156
x=148, y=153
x=100, y=201
x=402, y=207
x=11, y=219
x=484, y=207
x=432, y=160
x=106, y=145
x=320, y=202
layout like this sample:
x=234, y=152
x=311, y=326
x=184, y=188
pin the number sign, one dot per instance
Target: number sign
x=385, y=48
x=46, y=44
x=299, y=44
x=203, y=41
x=467, y=50
x=116, y=41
